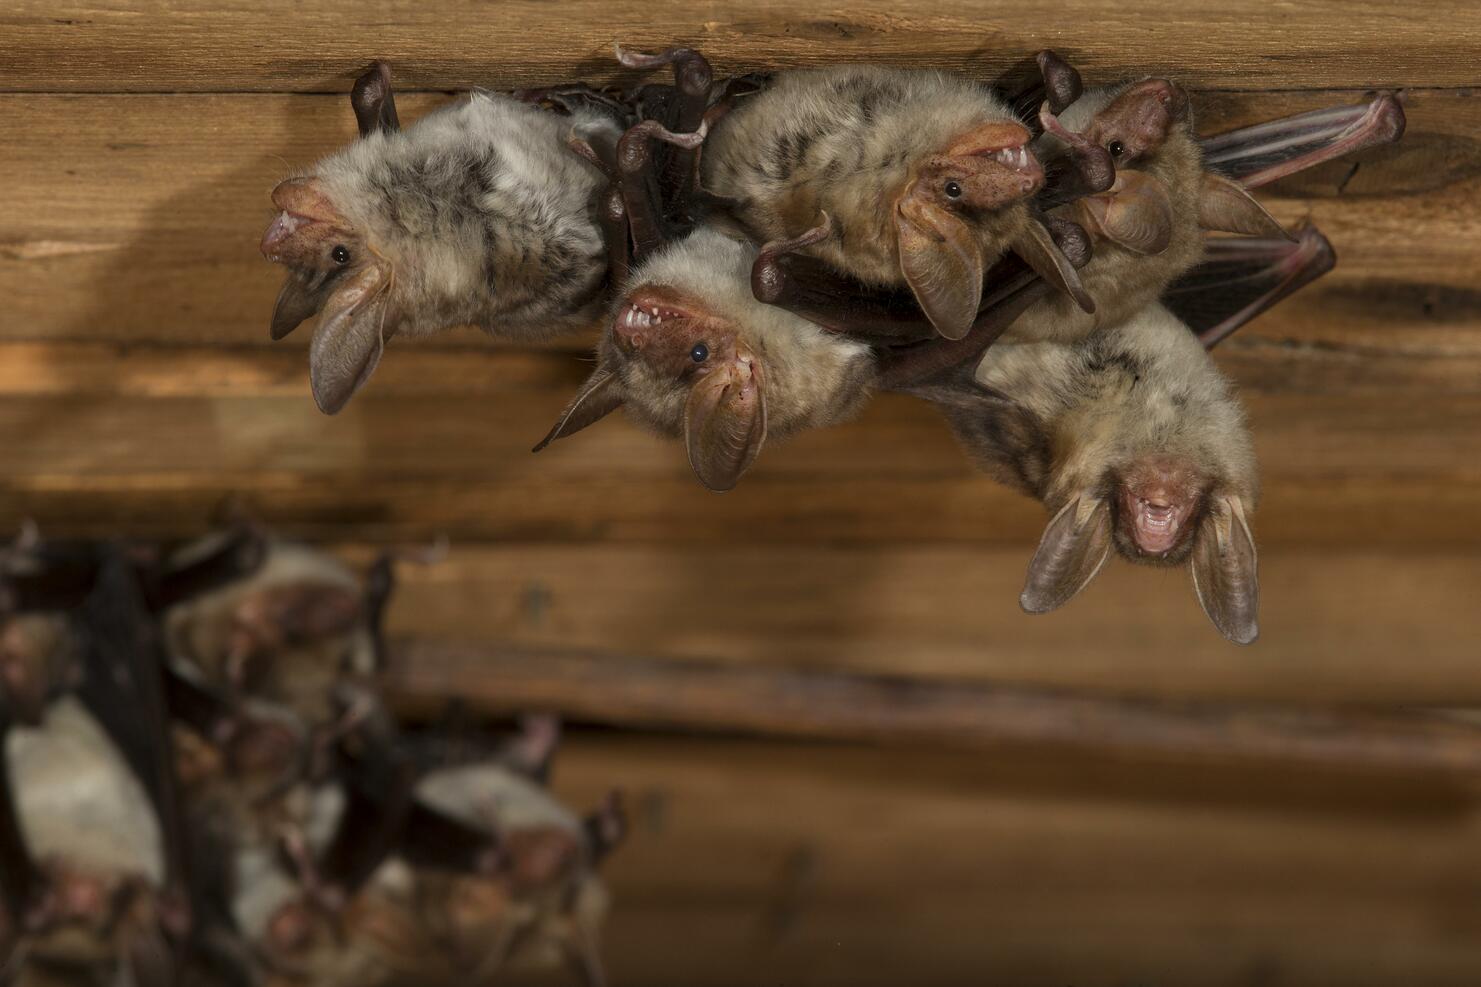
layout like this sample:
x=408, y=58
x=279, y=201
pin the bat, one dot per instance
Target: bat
x=284, y=631
x=477, y=214
x=1133, y=440
x=689, y=352
x=1170, y=187
x=925, y=180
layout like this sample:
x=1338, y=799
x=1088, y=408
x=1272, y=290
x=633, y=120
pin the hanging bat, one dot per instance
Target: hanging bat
x=925, y=180
x=1170, y=187
x=689, y=352
x=285, y=632
x=80, y=834
x=1134, y=441
x=543, y=903
x=478, y=214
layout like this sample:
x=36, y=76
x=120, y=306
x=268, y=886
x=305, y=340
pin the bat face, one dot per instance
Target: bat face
x=691, y=353
x=1135, y=125
x=699, y=359
x=1136, y=444
x=1156, y=501
x=336, y=274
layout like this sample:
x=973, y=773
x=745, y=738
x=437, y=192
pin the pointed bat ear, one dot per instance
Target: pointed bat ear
x=348, y=343
x=1135, y=214
x=942, y=263
x=1076, y=543
x=373, y=102
x=1225, y=575
x=1226, y=206
x=1037, y=249
x=599, y=397
x=724, y=426
x=297, y=301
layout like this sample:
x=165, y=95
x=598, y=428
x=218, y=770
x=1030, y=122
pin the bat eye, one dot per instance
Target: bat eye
x=953, y=190
x=1116, y=148
x=700, y=353
x=341, y=254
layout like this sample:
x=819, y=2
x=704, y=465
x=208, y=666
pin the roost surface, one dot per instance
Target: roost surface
x=138, y=391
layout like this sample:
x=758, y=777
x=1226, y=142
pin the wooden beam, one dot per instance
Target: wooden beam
x=789, y=863
x=793, y=704
x=280, y=45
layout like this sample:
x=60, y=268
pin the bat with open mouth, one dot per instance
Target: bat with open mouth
x=915, y=180
x=689, y=352
x=1170, y=187
x=478, y=214
x=1135, y=442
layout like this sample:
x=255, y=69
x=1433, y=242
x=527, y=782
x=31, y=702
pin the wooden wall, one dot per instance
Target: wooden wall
x=139, y=392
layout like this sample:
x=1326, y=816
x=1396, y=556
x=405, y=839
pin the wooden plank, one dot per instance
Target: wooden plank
x=1377, y=450
x=774, y=863
x=426, y=676
x=1336, y=627
x=175, y=259
x=277, y=45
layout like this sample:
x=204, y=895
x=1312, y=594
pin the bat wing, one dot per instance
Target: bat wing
x=1241, y=277
x=123, y=687
x=1260, y=154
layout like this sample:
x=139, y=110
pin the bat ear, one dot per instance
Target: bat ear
x=1227, y=207
x=724, y=428
x=1076, y=543
x=1038, y=250
x=1134, y=214
x=942, y=263
x=599, y=397
x=1224, y=572
x=347, y=345
x=373, y=102
x=297, y=301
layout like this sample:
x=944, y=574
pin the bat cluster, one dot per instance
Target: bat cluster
x=199, y=784
x=771, y=250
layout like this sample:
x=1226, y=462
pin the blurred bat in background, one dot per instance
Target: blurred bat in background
x=478, y=214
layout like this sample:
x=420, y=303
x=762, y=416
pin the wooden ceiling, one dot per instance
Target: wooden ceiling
x=139, y=393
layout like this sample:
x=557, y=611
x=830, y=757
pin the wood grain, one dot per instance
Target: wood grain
x=1361, y=626
x=777, y=863
x=425, y=677
x=1377, y=450
x=281, y=45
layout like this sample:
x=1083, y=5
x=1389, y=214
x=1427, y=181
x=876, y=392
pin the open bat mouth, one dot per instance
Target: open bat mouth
x=647, y=314
x=1157, y=522
x=1018, y=158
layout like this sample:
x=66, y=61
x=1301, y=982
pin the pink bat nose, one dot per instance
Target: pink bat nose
x=285, y=225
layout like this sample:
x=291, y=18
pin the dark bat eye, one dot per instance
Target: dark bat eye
x=1116, y=148
x=953, y=190
x=700, y=353
x=341, y=254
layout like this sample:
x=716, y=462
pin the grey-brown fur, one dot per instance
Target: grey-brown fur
x=813, y=378
x=1121, y=281
x=842, y=140
x=1077, y=412
x=484, y=214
